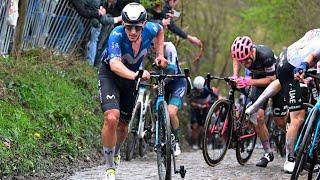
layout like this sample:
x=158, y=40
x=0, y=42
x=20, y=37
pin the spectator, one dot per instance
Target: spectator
x=165, y=17
x=93, y=10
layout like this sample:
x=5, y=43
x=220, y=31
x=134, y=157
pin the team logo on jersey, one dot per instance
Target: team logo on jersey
x=154, y=27
x=110, y=96
x=116, y=33
x=129, y=59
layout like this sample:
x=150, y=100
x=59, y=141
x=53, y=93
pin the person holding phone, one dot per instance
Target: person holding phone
x=164, y=15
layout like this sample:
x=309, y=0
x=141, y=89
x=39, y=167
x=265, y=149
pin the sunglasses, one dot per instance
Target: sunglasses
x=130, y=27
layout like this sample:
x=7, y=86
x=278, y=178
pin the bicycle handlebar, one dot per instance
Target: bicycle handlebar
x=226, y=79
x=164, y=76
x=308, y=74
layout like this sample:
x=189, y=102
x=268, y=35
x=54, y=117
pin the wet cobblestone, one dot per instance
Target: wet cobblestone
x=146, y=168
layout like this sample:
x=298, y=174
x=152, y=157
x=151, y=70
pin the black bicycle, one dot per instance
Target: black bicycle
x=227, y=122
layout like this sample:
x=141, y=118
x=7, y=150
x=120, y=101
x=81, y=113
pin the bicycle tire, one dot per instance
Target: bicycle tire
x=131, y=140
x=243, y=146
x=224, y=115
x=164, y=133
x=303, y=149
x=146, y=140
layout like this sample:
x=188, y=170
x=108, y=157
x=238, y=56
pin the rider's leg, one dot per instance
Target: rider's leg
x=122, y=132
x=297, y=118
x=109, y=135
x=281, y=122
x=263, y=134
x=262, y=131
x=297, y=113
x=194, y=133
x=272, y=89
x=173, y=114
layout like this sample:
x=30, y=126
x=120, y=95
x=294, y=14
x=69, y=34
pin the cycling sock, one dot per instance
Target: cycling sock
x=109, y=156
x=176, y=133
x=289, y=147
x=266, y=146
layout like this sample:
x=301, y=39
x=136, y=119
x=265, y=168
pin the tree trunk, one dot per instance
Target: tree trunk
x=18, y=38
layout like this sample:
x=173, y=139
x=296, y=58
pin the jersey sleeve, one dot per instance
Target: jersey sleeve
x=113, y=49
x=153, y=28
x=270, y=68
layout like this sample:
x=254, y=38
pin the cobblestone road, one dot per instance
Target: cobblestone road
x=145, y=168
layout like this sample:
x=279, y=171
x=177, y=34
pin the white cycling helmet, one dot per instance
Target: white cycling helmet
x=134, y=14
x=198, y=82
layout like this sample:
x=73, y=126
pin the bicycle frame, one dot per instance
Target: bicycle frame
x=314, y=140
x=160, y=98
x=144, y=99
x=315, y=109
x=231, y=101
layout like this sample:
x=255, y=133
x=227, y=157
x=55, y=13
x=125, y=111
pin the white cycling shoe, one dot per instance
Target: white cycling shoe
x=288, y=166
x=177, y=150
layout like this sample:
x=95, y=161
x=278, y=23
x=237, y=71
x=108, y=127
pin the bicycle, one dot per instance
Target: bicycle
x=164, y=140
x=141, y=127
x=307, y=146
x=226, y=123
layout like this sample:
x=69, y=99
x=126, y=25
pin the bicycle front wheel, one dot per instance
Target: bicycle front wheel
x=304, y=146
x=164, y=147
x=217, y=132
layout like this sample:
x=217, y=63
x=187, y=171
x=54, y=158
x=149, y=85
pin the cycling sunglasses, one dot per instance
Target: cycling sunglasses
x=130, y=27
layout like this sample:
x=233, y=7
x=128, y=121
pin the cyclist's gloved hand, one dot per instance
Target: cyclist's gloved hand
x=299, y=71
x=232, y=78
x=243, y=82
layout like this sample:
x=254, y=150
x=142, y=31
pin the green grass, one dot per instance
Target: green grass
x=48, y=110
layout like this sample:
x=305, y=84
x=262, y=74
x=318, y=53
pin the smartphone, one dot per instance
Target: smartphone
x=176, y=14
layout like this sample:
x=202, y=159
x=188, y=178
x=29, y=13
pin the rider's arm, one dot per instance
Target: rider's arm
x=313, y=57
x=158, y=43
x=236, y=68
x=262, y=82
x=85, y=11
x=120, y=69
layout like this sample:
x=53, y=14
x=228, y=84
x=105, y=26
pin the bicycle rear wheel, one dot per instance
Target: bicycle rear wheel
x=217, y=132
x=304, y=146
x=164, y=147
x=146, y=142
x=246, y=140
x=131, y=141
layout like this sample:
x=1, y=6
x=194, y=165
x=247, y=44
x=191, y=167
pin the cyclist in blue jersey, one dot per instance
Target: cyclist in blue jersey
x=121, y=60
x=174, y=92
x=294, y=61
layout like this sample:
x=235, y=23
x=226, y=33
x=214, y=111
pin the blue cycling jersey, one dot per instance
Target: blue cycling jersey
x=120, y=46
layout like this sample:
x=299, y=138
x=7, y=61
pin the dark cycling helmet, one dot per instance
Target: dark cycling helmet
x=134, y=14
x=241, y=48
